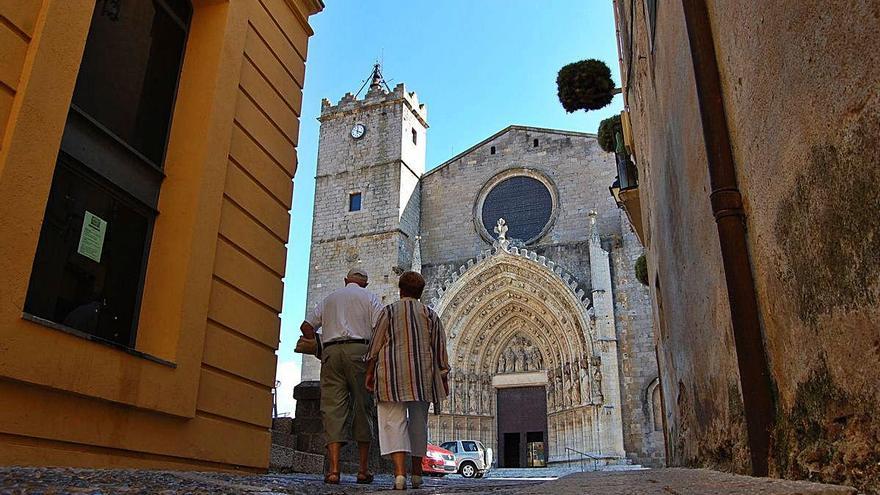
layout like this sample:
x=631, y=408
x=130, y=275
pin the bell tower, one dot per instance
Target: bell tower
x=371, y=156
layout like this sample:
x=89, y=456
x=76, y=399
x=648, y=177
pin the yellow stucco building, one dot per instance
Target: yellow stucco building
x=147, y=150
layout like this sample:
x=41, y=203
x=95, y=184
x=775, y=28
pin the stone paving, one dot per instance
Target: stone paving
x=52, y=481
x=56, y=481
x=677, y=481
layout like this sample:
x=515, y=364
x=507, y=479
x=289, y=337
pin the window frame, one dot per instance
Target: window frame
x=92, y=152
x=360, y=201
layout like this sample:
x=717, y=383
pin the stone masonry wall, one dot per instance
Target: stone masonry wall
x=579, y=169
x=638, y=363
x=582, y=174
x=378, y=238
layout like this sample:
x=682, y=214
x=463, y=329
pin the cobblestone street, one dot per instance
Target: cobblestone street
x=52, y=481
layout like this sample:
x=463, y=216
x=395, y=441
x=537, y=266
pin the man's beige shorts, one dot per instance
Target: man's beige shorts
x=343, y=393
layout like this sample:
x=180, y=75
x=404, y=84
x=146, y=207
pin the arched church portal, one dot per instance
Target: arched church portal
x=518, y=333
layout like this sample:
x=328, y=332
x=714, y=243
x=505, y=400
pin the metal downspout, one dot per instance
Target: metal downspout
x=727, y=208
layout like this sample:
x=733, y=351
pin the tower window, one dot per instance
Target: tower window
x=535, y=143
x=354, y=202
x=492, y=150
x=90, y=264
x=415, y=137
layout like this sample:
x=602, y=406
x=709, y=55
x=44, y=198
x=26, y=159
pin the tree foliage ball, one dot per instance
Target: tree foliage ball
x=585, y=85
x=607, y=130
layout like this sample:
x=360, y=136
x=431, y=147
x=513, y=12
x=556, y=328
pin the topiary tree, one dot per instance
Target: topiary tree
x=585, y=85
x=642, y=270
x=607, y=130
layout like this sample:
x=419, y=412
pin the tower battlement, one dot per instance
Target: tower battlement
x=375, y=96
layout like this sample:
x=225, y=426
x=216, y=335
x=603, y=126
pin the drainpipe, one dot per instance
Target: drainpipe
x=730, y=217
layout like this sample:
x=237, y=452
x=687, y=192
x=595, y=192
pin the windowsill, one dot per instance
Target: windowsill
x=94, y=338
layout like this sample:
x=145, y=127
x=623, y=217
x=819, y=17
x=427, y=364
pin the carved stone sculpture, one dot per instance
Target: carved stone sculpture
x=574, y=383
x=460, y=394
x=474, y=396
x=584, y=380
x=485, y=393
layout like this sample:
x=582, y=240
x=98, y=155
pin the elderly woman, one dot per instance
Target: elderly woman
x=407, y=368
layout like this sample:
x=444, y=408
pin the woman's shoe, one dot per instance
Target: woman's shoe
x=416, y=481
x=400, y=482
x=331, y=478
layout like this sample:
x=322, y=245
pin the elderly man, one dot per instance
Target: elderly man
x=346, y=318
x=407, y=367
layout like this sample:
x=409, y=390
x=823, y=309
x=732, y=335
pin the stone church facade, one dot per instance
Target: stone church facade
x=529, y=263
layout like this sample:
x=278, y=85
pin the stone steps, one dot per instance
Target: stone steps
x=284, y=456
x=623, y=467
x=287, y=460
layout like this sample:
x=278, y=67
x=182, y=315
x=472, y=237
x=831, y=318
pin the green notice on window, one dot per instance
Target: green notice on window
x=91, y=239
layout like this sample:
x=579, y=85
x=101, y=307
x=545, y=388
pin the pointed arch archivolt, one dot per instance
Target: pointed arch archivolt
x=493, y=298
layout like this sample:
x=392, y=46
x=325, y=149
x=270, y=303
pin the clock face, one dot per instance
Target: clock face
x=358, y=131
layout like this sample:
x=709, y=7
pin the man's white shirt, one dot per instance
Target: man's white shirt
x=347, y=313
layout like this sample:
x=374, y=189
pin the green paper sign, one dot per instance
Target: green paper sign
x=91, y=239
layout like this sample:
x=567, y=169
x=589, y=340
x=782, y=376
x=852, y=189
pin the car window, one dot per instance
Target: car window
x=450, y=446
x=470, y=446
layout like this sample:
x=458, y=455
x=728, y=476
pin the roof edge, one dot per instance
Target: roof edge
x=502, y=131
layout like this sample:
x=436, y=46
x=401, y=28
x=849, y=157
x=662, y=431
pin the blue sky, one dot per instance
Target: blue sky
x=479, y=65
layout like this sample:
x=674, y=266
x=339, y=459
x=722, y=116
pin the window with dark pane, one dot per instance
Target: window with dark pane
x=523, y=202
x=128, y=75
x=415, y=137
x=354, y=202
x=651, y=18
x=91, y=259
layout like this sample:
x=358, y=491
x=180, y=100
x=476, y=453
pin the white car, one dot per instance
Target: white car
x=472, y=460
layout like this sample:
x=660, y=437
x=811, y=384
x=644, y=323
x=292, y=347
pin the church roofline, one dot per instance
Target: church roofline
x=503, y=131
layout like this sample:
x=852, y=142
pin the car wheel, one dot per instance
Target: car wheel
x=468, y=470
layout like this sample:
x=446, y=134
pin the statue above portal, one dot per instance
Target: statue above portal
x=501, y=229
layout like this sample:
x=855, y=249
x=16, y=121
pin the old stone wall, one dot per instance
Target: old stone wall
x=638, y=364
x=803, y=108
x=578, y=169
x=383, y=166
x=573, y=161
x=581, y=173
x=699, y=373
x=808, y=160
